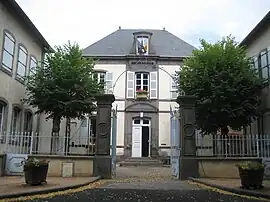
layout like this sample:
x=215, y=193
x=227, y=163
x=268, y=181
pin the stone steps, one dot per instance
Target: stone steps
x=140, y=162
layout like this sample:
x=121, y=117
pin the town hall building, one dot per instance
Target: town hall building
x=138, y=67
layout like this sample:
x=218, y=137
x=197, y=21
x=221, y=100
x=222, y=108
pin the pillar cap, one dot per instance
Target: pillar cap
x=108, y=98
x=186, y=99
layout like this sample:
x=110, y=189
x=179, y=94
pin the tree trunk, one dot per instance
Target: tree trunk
x=55, y=134
x=224, y=135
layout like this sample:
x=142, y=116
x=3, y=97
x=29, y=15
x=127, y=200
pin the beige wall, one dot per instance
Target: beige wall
x=220, y=168
x=12, y=91
x=82, y=166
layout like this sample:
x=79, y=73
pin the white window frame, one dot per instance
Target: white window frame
x=23, y=63
x=137, y=44
x=32, y=68
x=8, y=36
x=142, y=79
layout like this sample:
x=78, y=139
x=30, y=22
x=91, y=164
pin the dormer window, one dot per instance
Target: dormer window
x=142, y=45
x=142, y=41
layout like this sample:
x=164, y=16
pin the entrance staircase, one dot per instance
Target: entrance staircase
x=144, y=161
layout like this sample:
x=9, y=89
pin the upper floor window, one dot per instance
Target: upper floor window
x=261, y=63
x=22, y=61
x=142, y=81
x=100, y=77
x=8, y=51
x=105, y=78
x=32, y=65
x=174, y=88
x=142, y=45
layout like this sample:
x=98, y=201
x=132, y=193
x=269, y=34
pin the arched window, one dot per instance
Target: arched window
x=28, y=121
x=3, y=118
x=8, y=51
x=22, y=62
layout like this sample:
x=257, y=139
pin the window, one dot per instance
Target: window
x=174, y=88
x=22, y=60
x=142, y=45
x=16, y=121
x=142, y=81
x=93, y=131
x=32, y=65
x=100, y=77
x=28, y=120
x=8, y=51
x=3, y=108
x=261, y=63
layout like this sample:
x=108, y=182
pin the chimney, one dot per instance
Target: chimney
x=163, y=28
x=119, y=27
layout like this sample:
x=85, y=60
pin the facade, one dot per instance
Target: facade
x=21, y=48
x=258, y=46
x=138, y=67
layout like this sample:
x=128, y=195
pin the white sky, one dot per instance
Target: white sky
x=86, y=21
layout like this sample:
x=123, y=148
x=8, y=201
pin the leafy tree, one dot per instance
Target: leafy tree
x=225, y=83
x=64, y=86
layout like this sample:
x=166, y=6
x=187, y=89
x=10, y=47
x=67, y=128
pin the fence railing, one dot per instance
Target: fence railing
x=233, y=146
x=41, y=143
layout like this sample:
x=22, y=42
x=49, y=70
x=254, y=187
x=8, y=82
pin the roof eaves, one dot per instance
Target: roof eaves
x=14, y=5
x=261, y=25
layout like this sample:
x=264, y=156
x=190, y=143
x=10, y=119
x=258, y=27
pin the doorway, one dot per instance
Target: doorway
x=141, y=138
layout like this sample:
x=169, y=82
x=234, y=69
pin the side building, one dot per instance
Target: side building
x=22, y=47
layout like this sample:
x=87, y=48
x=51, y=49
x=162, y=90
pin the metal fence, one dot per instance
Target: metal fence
x=233, y=145
x=41, y=143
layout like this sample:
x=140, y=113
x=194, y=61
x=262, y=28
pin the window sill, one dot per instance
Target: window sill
x=9, y=72
x=20, y=80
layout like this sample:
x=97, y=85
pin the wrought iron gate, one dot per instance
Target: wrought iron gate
x=175, y=142
x=113, y=140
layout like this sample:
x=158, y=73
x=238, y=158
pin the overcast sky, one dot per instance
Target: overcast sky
x=86, y=21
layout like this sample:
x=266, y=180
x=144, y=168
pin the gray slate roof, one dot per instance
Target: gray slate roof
x=120, y=43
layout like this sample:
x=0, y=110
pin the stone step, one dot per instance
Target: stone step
x=140, y=162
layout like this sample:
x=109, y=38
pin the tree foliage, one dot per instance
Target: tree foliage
x=227, y=87
x=64, y=85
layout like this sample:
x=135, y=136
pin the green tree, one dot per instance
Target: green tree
x=225, y=83
x=63, y=86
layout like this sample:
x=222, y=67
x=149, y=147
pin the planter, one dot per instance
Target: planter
x=35, y=175
x=141, y=95
x=251, y=178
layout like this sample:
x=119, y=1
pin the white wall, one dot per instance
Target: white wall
x=165, y=80
x=261, y=42
x=117, y=70
x=164, y=122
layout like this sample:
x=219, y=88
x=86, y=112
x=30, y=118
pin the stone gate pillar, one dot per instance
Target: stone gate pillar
x=103, y=160
x=188, y=161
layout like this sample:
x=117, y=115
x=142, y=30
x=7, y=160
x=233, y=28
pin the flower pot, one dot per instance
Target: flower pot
x=35, y=175
x=251, y=178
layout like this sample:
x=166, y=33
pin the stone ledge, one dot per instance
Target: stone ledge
x=61, y=157
x=232, y=190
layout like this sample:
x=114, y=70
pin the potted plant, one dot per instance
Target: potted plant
x=141, y=94
x=35, y=171
x=251, y=174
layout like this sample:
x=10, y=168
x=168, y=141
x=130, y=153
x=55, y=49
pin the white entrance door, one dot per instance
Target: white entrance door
x=136, y=141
